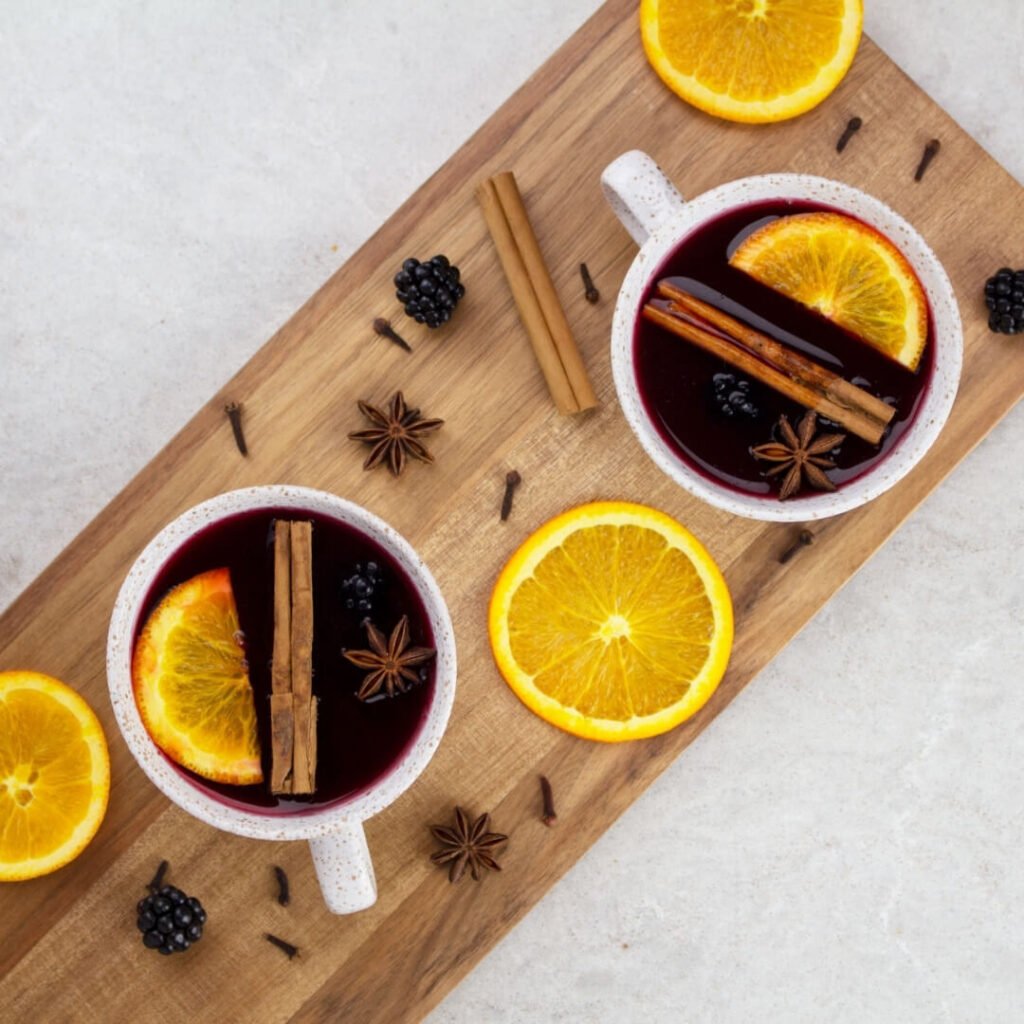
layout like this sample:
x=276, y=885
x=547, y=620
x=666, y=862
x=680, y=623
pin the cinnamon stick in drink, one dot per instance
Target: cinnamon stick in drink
x=292, y=704
x=282, y=719
x=304, y=749
x=772, y=363
x=859, y=402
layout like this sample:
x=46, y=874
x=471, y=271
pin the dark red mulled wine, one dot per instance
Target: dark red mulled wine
x=357, y=741
x=707, y=413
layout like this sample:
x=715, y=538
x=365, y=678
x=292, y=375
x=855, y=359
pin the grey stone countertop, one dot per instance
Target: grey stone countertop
x=845, y=843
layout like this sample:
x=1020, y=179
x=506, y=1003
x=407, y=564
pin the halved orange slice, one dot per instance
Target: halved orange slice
x=848, y=273
x=192, y=684
x=54, y=775
x=751, y=60
x=612, y=622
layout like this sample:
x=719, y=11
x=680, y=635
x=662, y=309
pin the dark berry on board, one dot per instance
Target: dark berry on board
x=170, y=921
x=359, y=590
x=1004, y=297
x=733, y=396
x=430, y=291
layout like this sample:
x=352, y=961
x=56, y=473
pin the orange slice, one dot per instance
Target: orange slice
x=192, y=684
x=848, y=273
x=751, y=60
x=612, y=622
x=54, y=775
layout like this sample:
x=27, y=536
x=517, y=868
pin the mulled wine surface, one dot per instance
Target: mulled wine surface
x=707, y=412
x=357, y=741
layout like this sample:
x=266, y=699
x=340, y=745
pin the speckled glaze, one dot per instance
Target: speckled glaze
x=336, y=836
x=658, y=218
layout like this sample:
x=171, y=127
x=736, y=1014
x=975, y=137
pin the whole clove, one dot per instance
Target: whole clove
x=512, y=481
x=803, y=539
x=158, y=878
x=282, y=886
x=385, y=330
x=852, y=127
x=286, y=947
x=590, y=292
x=926, y=158
x=234, y=411
x=548, y=815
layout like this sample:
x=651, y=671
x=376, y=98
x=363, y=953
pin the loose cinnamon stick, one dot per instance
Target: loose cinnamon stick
x=788, y=360
x=522, y=231
x=534, y=294
x=304, y=750
x=282, y=719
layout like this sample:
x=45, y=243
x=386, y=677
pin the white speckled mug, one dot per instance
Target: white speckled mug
x=659, y=219
x=334, y=830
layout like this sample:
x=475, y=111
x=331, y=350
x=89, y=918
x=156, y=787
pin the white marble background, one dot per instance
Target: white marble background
x=845, y=844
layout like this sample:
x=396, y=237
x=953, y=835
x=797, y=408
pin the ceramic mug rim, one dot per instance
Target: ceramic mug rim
x=190, y=796
x=940, y=390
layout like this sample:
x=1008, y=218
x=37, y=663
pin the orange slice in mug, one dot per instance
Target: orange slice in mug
x=847, y=272
x=192, y=685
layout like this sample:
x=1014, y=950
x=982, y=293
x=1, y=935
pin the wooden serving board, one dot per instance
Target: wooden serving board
x=70, y=949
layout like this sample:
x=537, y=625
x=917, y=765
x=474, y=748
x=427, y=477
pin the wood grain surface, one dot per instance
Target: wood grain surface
x=70, y=951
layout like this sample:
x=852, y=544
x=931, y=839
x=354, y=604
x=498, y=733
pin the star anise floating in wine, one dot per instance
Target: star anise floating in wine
x=390, y=661
x=395, y=435
x=800, y=455
x=465, y=845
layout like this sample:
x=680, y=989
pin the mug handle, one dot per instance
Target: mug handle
x=640, y=194
x=344, y=869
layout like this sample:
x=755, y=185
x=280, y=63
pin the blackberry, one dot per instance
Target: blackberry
x=429, y=291
x=170, y=921
x=734, y=397
x=1004, y=296
x=359, y=590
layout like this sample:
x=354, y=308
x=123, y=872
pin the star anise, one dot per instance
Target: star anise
x=390, y=661
x=466, y=845
x=800, y=455
x=395, y=434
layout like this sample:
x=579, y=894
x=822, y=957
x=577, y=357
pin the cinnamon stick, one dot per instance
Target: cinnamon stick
x=304, y=749
x=786, y=359
x=522, y=231
x=772, y=363
x=535, y=297
x=282, y=726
